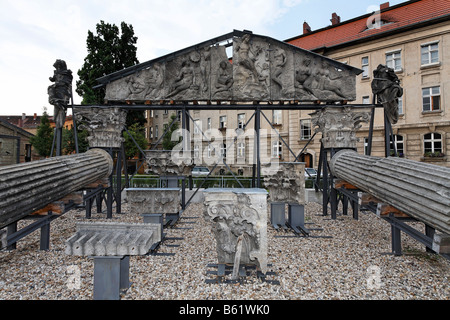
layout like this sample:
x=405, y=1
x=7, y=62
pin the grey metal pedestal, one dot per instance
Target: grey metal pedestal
x=111, y=275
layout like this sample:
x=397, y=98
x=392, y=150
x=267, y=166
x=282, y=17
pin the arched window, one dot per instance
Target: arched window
x=432, y=143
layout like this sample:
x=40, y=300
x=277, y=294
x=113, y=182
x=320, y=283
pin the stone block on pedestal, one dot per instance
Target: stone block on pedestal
x=239, y=213
x=285, y=181
x=154, y=200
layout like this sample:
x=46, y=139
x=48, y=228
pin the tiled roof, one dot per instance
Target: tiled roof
x=400, y=16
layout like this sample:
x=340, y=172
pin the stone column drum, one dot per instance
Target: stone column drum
x=238, y=213
x=27, y=187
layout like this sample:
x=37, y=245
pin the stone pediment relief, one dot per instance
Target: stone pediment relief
x=260, y=69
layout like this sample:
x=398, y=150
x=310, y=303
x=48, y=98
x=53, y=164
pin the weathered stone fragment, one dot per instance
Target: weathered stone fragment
x=286, y=182
x=338, y=125
x=420, y=190
x=154, y=200
x=238, y=213
x=27, y=187
x=113, y=239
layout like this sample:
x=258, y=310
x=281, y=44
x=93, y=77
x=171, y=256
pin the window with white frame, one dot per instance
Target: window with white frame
x=305, y=129
x=401, y=110
x=210, y=151
x=366, y=100
x=241, y=150
x=241, y=120
x=277, y=116
x=429, y=53
x=399, y=145
x=432, y=143
x=366, y=146
x=197, y=126
x=394, y=60
x=431, y=98
x=223, y=150
x=222, y=122
x=277, y=149
x=365, y=67
x=196, y=152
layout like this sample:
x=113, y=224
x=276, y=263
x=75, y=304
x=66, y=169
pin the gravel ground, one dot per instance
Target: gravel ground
x=306, y=268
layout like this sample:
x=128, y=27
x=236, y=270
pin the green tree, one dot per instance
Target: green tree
x=69, y=141
x=43, y=139
x=138, y=134
x=110, y=50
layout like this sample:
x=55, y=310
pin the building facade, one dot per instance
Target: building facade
x=413, y=38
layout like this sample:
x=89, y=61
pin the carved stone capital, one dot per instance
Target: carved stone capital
x=235, y=213
x=104, y=126
x=339, y=125
x=286, y=182
x=166, y=162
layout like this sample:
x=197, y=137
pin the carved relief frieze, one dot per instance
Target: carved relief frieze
x=339, y=125
x=260, y=69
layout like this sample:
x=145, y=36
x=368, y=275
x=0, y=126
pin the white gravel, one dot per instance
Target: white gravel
x=306, y=268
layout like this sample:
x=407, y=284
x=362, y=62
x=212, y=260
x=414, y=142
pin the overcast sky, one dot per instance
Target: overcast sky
x=34, y=33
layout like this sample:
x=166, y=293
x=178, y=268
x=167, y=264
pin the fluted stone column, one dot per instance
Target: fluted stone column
x=421, y=190
x=31, y=186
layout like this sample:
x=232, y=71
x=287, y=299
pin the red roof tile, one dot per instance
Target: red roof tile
x=396, y=17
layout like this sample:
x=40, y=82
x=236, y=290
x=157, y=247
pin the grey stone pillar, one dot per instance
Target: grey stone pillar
x=31, y=186
x=421, y=190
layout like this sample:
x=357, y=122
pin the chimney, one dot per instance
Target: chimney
x=306, y=28
x=384, y=6
x=335, y=19
x=24, y=115
x=35, y=116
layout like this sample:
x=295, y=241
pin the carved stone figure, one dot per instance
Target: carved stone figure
x=104, y=126
x=386, y=85
x=250, y=69
x=239, y=214
x=286, y=182
x=60, y=92
x=338, y=125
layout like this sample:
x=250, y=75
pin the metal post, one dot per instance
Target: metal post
x=75, y=131
x=325, y=186
x=396, y=237
x=277, y=214
x=111, y=274
x=258, y=147
x=11, y=229
x=58, y=141
x=45, y=235
x=119, y=182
